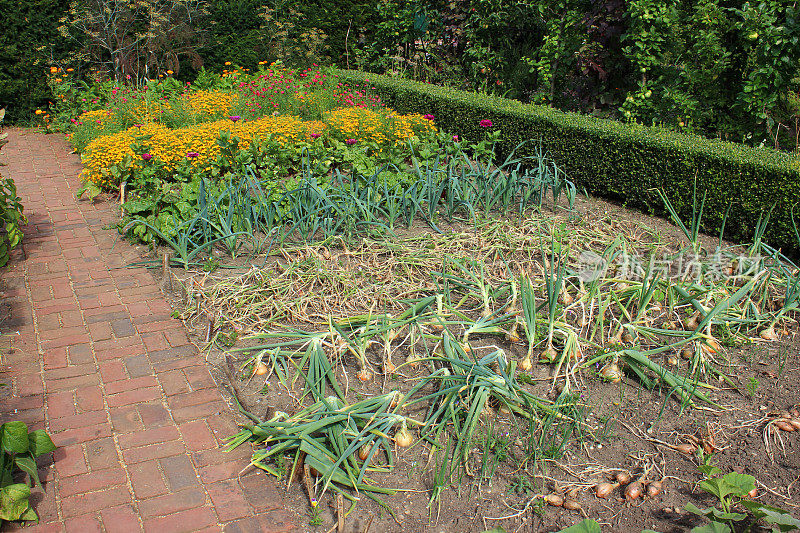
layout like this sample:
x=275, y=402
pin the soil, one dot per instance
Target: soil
x=631, y=425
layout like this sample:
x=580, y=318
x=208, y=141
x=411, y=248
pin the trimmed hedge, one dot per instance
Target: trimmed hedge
x=623, y=161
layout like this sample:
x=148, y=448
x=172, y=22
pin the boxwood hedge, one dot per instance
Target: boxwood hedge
x=623, y=162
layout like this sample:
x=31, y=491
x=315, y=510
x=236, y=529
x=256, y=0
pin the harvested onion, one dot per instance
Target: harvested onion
x=403, y=437
x=549, y=354
x=363, y=452
x=768, y=334
x=654, y=489
x=604, y=490
x=611, y=372
x=554, y=499
x=783, y=425
x=687, y=352
x=364, y=375
x=261, y=369
x=633, y=491
x=572, y=505
x=525, y=365
x=623, y=478
x=687, y=449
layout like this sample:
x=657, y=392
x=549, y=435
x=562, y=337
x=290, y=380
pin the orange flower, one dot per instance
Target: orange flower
x=169, y=72
x=70, y=70
x=53, y=70
x=58, y=79
x=39, y=111
x=227, y=63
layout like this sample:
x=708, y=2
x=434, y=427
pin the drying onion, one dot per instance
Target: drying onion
x=525, y=365
x=633, y=491
x=549, y=354
x=603, y=490
x=403, y=438
x=653, y=489
x=687, y=352
x=796, y=423
x=622, y=478
x=554, y=499
x=611, y=372
x=783, y=425
x=768, y=334
x=672, y=360
x=364, y=375
x=687, y=449
x=261, y=369
x=572, y=505
x=363, y=452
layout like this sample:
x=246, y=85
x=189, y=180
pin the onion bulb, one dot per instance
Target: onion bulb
x=687, y=352
x=627, y=338
x=711, y=346
x=692, y=322
x=687, y=449
x=654, y=489
x=261, y=369
x=364, y=375
x=388, y=367
x=403, y=437
x=554, y=500
x=565, y=298
x=363, y=452
x=511, y=334
x=525, y=365
x=672, y=360
x=603, y=490
x=611, y=372
x=796, y=423
x=572, y=505
x=549, y=354
x=753, y=493
x=783, y=425
x=623, y=478
x=768, y=334
x=633, y=491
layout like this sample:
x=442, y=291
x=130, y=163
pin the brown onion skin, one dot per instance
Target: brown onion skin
x=623, y=478
x=654, y=488
x=633, y=491
x=572, y=505
x=604, y=490
x=784, y=425
x=554, y=499
x=687, y=449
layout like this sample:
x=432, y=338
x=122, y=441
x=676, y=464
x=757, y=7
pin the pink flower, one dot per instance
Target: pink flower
x=428, y=117
x=486, y=123
x=316, y=135
x=350, y=141
x=235, y=118
x=455, y=138
x=147, y=156
x=192, y=154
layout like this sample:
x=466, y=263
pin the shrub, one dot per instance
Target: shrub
x=11, y=217
x=621, y=161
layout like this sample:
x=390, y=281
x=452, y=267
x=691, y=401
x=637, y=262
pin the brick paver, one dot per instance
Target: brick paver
x=93, y=357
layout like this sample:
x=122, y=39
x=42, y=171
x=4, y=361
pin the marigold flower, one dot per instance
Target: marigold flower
x=486, y=123
x=39, y=111
x=227, y=63
x=169, y=72
x=70, y=70
x=53, y=70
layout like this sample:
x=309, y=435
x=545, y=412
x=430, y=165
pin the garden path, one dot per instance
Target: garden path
x=93, y=356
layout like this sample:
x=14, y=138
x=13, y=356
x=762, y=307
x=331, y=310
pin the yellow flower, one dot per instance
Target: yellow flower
x=227, y=63
x=39, y=111
x=70, y=70
x=169, y=72
x=58, y=79
x=53, y=70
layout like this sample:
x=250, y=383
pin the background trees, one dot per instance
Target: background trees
x=725, y=68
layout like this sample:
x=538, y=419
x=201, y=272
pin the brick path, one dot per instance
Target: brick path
x=94, y=358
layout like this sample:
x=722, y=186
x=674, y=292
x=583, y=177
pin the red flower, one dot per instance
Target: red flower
x=486, y=123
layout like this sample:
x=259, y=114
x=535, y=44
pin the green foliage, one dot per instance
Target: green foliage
x=624, y=161
x=27, y=46
x=18, y=452
x=11, y=217
x=732, y=489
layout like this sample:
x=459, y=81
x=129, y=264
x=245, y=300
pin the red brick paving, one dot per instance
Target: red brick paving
x=94, y=358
